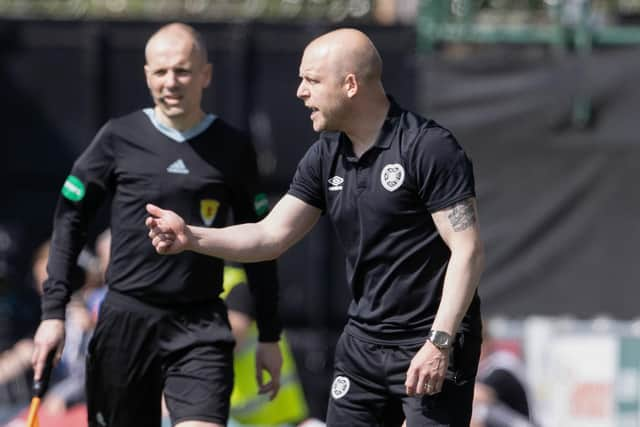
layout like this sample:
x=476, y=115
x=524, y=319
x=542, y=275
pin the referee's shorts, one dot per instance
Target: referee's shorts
x=138, y=351
x=368, y=387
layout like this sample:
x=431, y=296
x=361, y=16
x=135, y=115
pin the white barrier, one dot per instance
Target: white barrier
x=581, y=373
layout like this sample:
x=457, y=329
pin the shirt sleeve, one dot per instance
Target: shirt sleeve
x=249, y=204
x=444, y=173
x=307, y=181
x=240, y=299
x=80, y=197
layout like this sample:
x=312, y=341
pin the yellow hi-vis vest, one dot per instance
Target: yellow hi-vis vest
x=247, y=406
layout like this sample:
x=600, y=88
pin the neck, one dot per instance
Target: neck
x=180, y=123
x=366, y=127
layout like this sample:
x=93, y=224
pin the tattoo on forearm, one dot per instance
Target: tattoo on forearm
x=462, y=215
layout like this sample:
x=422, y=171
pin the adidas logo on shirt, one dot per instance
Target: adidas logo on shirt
x=178, y=167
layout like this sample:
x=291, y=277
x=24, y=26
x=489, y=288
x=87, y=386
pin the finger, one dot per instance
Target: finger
x=162, y=248
x=274, y=389
x=40, y=356
x=150, y=222
x=270, y=389
x=273, y=385
x=157, y=231
x=154, y=210
x=424, y=387
x=153, y=232
x=429, y=388
x=259, y=376
x=265, y=388
x=411, y=382
x=161, y=240
x=58, y=357
x=35, y=362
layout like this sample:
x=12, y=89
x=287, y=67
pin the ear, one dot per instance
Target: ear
x=351, y=85
x=147, y=72
x=208, y=72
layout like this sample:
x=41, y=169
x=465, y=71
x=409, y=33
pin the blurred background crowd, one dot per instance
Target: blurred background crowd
x=543, y=95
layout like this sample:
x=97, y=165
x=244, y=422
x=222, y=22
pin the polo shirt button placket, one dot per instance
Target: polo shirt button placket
x=361, y=177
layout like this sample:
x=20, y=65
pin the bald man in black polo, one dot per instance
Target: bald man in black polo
x=399, y=191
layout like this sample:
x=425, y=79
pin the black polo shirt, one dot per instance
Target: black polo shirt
x=380, y=206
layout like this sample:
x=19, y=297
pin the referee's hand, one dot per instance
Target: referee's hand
x=268, y=358
x=49, y=336
x=167, y=230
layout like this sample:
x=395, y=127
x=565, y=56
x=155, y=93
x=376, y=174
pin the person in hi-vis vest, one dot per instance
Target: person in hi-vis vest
x=248, y=408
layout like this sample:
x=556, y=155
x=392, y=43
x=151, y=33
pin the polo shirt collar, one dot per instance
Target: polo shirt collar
x=386, y=133
x=385, y=138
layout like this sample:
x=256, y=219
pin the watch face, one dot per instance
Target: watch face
x=440, y=339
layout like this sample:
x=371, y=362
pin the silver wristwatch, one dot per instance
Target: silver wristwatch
x=440, y=339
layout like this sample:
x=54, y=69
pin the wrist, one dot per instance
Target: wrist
x=191, y=239
x=440, y=339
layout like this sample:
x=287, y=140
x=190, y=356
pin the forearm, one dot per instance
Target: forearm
x=68, y=238
x=264, y=286
x=460, y=284
x=248, y=242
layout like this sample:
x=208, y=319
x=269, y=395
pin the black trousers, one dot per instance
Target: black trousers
x=369, y=386
x=140, y=351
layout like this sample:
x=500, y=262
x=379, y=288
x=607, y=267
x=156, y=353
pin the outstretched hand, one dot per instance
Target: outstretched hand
x=167, y=230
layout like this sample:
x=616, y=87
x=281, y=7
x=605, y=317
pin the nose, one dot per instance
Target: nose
x=302, y=91
x=171, y=79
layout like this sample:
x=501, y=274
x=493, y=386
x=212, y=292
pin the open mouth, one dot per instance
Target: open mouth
x=171, y=99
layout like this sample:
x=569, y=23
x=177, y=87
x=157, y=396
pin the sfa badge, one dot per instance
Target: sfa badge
x=208, y=210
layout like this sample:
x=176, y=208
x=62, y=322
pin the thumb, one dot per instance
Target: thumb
x=154, y=210
x=259, y=376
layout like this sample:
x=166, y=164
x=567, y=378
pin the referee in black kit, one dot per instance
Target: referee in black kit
x=162, y=326
x=399, y=191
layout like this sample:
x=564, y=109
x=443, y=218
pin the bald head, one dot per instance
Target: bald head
x=177, y=72
x=177, y=34
x=348, y=50
x=340, y=82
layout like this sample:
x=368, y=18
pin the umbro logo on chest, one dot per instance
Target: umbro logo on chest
x=335, y=183
x=391, y=178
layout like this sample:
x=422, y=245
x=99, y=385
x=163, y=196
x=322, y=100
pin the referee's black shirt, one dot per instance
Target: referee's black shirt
x=202, y=178
x=380, y=206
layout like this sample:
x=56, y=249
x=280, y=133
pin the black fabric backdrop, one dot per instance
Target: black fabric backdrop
x=559, y=205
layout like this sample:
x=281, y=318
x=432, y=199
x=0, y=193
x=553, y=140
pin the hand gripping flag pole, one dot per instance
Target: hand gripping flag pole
x=39, y=389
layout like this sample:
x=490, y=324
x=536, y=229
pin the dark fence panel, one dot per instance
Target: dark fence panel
x=558, y=199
